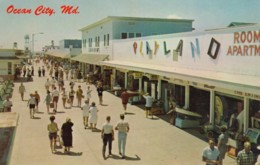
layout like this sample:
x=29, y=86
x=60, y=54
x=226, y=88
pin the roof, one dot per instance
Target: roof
x=240, y=24
x=201, y=76
x=90, y=58
x=112, y=18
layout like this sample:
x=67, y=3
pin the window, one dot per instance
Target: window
x=105, y=40
x=9, y=68
x=95, y=41
x=123, y=35
x=98, y=40
x=90, y=42
x=131, y=35
x=138, y=35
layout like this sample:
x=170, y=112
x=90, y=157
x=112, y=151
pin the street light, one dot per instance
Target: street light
x=33, y=42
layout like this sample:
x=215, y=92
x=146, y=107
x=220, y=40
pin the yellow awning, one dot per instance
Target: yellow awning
x=90, y=58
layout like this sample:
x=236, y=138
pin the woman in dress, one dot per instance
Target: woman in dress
x=37, y=99
x=100, y=93
x=66, y=134
x=88, y=93
x=22, y=90
x=53, y=129
x=93, y=115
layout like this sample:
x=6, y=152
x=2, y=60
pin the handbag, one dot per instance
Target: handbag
x=51, y=105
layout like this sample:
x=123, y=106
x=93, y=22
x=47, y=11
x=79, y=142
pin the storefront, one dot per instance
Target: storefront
x=212, y=75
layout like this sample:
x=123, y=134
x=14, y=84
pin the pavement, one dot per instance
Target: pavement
x=149, y=141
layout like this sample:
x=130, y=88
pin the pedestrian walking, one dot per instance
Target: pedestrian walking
x=79, y=95
x=210, y=154
x=55, y=96
x=60, y=84
x=107, y=135
x=71, y=84
x=71, y=96
x=24, y=70
x=51, y=71
x=88, y=93
x=222, y=143
x=22, y=90
x=43, y=71
x=245, y=156
x=67, y=74
x=32, y=70
x=66, y=134
x=64, y=97
x=39, y=72
x=53, y=83
x=53, y=129
x=93, y=116
x=100, y=93
x=37, y=99
x=124, y=97
x=7, y=104
x=123, y=128
x=47, y=84
x=148, y=104
x=31, y=104
x=85, y=112
x=48, y=101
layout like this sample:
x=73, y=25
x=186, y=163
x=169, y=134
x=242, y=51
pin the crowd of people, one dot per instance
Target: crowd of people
x=55, y=89
x=214, y=154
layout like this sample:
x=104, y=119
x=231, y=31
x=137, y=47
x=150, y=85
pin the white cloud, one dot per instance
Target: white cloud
x=173, y=16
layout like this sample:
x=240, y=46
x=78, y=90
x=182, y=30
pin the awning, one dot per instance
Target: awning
x=219, y=79
x=90, y=58
x=58, y=54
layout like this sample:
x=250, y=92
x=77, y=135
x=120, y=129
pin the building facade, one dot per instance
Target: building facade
x=98, y=38
x=212, y=73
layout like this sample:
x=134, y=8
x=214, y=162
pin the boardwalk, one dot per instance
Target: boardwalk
x=150, y=142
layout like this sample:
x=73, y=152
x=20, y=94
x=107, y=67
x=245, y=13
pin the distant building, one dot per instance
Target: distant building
x=69, y=43
x=9, y=60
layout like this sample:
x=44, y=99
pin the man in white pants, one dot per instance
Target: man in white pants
x=123, y=128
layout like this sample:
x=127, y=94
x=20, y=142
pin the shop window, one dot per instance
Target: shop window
x=123, y=35
x=9, y=68
x=254, y=114
x=105, y=40
x=98, y=41
x=138, y=35
x=131, y=35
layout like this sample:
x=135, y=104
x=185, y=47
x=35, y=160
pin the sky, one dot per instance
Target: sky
x=207, y=14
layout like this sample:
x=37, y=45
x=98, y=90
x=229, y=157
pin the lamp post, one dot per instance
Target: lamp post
x=33, y=42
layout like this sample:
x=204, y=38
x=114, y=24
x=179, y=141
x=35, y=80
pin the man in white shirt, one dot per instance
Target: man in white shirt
x=123, y=128
x=107, y=134
x=148, y=104
x=31, y=104
x=55, y=96
x=210, y=154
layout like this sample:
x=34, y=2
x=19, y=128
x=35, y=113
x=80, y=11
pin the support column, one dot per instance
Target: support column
x=140, y=87
x=187, y=97
x=159, y=89
x=126, y=76
x=212, y=107
x=246, y=114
